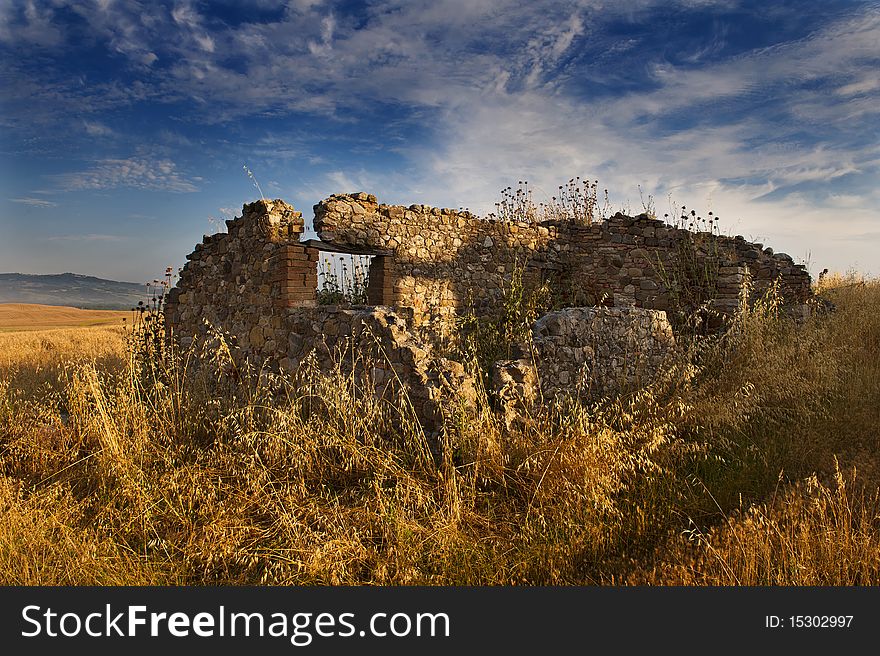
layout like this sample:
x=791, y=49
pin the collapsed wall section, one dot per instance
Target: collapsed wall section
x=375, y=346
x=586, y=353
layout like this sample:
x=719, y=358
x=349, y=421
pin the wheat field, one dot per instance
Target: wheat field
x=29, y=317
x=754, y=462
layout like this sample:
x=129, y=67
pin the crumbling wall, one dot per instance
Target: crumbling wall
x=375, y=344
x=645, y=262
x=445, y=261
x=244, y=279
x=590, y=350
x=256, y=285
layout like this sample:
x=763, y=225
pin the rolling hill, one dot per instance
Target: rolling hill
x=70, y=289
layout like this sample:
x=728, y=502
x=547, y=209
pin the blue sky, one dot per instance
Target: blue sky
x=125, y=125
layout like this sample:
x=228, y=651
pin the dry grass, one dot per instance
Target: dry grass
x=25, y=316
x=812, y=534
x=731, y=474
x=33, y=363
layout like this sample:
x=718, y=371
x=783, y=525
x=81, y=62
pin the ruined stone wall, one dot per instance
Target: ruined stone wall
x=590, y=350
x=375, y=344
x=445, y=261
x=243, y=280
x=256, y=285
x=644, y=262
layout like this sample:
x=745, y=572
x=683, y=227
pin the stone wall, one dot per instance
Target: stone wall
x=257, y=285
x=242, y=280
x=644, y=262
x=585, y=352
x=594, y=350
x=375, y=344
x=445, y=261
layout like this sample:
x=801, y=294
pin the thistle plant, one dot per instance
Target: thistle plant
x=692, y=278
x=577, y=201
x=341, y=284
x=146, y=338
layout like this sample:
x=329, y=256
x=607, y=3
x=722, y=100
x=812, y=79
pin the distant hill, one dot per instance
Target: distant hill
x=70, y=289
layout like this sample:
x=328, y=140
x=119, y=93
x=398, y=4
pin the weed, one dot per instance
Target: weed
x=254, y=180
x=341, y=284
x=487, y=339
x=147, y=337
x=691, y=279
x=577, y=201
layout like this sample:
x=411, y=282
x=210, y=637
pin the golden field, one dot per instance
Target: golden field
x=25, y=316
x=755, y=462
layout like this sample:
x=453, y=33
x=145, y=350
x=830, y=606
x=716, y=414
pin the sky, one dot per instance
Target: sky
x=125, y=126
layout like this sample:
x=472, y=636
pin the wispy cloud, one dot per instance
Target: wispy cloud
x=29, y=23
x=136, y=173
x=93, y=237
x=34, y=202
x=97, y=129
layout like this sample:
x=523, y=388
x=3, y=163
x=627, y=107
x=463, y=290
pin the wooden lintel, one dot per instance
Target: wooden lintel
x=329, y=247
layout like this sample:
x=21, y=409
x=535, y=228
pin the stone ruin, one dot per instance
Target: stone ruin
x=615, y=280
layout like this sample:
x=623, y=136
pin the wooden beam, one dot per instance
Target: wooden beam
x=328, y=247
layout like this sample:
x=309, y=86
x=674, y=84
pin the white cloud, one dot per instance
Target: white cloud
x=34, y=202
x=328, y=26
x=350, y=181
x=547, y=48
x=205, y=42
x=185, y=14
x=865, y=83
x=35, y=26
x=97, y=129
x=137, y=173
